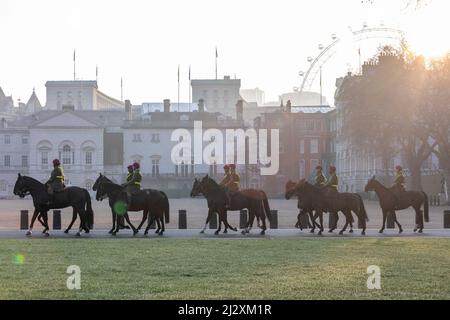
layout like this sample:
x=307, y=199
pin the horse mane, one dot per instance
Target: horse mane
x=380, y=184
x=31, y=179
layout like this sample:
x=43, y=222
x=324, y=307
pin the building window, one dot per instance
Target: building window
x=88, y=157
x=137, y=137
x=313, y=164
x=155, y=167
x=213, y=170
x=302, y=146
x=7, y=162
x=314, y=146
x=3, y=186
x=88, y=185
x=7, y=139
x=44, y=158
x=155, y=137
x=66, y=155
x=24, y=139
x=301, y=170
x=24, y=161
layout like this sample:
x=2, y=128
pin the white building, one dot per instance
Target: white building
x=79, y=95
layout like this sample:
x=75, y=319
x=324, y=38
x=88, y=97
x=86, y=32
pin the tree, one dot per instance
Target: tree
x=437, y=111
x=382, y=109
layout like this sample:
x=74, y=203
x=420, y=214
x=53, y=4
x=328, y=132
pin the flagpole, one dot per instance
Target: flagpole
x=320, y=85
x=96, y=73
x=189, y=87
x=74, y=65
x=216, y=63
x=178, y=88
x=121, y=89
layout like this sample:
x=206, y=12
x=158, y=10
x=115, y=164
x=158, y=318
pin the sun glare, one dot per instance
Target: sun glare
x=427, y=29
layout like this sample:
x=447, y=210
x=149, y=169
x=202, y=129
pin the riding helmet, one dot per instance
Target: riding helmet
x=56, y=162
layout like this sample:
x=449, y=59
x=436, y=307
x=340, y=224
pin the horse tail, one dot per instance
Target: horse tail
x=425, y=208
x=362, y=207
x=89, y=211
x=266, y=205
x=166, y=207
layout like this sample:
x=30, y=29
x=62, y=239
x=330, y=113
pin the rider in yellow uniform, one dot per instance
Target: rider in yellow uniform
x=320, y=179
x=129, y=175
x=226, y=175
x=56, y=181
x=134, y=185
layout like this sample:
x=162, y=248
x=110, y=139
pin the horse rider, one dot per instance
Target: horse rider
x=320, y=179
x=134, y=185
x=226, y=175
x=333, y=181
x=56, y=181
x=129, y=175
x=399, y=180
x=235, y=180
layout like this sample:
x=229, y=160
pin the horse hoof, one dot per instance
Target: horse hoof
x=312, y=231
x=46, y=234
x=86, y=231
x=113, y=233
x=110, y=231
x=78, y=234
x=381, y=231
x=135, y=233
x=330, y=231
x=216, y=233
x=203, y=231
x=420, y=231
x=262, y=233
x=234, y=229
x=28, y=233
x=350, y=231
x=341, y=233
x=225, y=231
x=415, y=229
x=66, y=231
x=319, y=233
x=243, y=232
x=145, y=233
x=160, y=233
x=363, y=233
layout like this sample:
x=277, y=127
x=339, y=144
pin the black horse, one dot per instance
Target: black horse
x=75, y=197
x=255, y=201
x=305, y=206
x=325, y=200
x=389, y=203
x=153, y=202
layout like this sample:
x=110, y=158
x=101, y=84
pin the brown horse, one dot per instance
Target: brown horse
x=390, y=202
x=255, y=201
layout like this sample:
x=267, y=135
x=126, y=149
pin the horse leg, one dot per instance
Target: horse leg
x=320, y=222
x=264, y=226
x=162, y=227
x=127, y=218
x=45, y=219
x=313, y=218
x=144, y=217
x=333, y=227
x=347, y=221
x=394, y=215
x=419, y=220
x=219, y=224
x=114, y=217
x=74, y=217
x=226, y=224
x=384, y=221
x=33, y=219
x=208, y=217
x=151, y=220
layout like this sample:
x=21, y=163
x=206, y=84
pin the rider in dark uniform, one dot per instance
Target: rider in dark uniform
x=235, y=180
x=320, y=179
x=134, y=185
x=56, y=181
x=399, y=183
x=333, y=181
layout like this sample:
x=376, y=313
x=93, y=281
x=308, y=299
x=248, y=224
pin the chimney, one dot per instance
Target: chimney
x=4, y=125
x=166, y=105
x=240, y=110
x=288, y=106
x=201, y=105
x=129, y=109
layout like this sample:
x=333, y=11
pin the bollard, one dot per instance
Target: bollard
x=273, y=219
x=446, y=219
x=213, y=221
x=390, y=224
x=332, y=220
x=182, y=219
x=23, y=219
x=243, y=219
x=56, y=219
x=304, y=219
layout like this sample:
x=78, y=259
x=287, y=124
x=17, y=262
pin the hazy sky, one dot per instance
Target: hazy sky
x=265, y=43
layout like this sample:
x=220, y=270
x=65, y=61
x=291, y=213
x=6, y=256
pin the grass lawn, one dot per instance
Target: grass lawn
x=225, y=268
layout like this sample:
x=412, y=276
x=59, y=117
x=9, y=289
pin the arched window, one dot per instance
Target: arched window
x=66, y=155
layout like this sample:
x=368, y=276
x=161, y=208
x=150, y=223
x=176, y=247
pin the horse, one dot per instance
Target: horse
x=325, y=200
x=75, y=197
x=255, y=201
x=150, y=201
x=303, y=204
x=196, y=191
x=389, y=203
